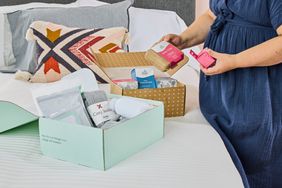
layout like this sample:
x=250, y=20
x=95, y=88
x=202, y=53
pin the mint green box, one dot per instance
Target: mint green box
x=97, y=148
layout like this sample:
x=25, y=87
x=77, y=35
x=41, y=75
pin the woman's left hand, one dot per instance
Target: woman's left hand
x=224, y=63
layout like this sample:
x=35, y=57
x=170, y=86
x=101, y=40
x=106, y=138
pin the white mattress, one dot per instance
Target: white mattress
x=191, y=155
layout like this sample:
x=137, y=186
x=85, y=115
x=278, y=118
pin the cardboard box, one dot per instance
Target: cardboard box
x=173, y=98
x=97, y=148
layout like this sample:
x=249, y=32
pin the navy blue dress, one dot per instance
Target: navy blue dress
x=245, y=105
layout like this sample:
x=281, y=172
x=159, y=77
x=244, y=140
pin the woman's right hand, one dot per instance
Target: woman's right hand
x=176, y=40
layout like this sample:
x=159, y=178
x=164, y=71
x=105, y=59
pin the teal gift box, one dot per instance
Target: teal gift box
x=98, y=148
x=88, y=146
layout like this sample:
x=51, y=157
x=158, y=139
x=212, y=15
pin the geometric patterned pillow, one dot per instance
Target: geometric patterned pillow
x=62, y=50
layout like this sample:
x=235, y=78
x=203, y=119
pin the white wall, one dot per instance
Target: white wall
x=201, y=6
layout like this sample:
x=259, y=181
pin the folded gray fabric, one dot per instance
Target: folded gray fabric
x=106, y=16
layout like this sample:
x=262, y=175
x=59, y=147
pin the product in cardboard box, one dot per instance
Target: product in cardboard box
x=164, y=55
x=145, y=77
x=173, y=98
x=127, y=83
x=166, y=82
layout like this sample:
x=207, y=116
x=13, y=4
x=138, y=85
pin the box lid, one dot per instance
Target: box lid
x=13, y=116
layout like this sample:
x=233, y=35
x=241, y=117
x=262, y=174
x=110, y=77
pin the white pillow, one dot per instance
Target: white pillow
x=5, y=39
x=147, y=26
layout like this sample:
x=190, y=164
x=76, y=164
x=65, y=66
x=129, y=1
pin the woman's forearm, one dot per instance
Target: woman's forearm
x=266, y=54
x=197, y=32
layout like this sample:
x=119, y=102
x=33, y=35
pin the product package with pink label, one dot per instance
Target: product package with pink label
x=172, y=54
x=164, y=55
x=204, y=58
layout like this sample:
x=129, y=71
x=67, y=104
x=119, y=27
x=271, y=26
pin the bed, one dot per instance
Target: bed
x=191, y=155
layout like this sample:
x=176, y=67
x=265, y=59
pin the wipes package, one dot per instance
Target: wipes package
x=65, y=105
x=62, y=100
x=145, y=77
x=166, y=82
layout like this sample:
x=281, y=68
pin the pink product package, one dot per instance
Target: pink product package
x=171, y=53
x=204, y=58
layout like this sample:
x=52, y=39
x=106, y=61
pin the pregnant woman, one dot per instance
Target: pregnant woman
x=241, y=96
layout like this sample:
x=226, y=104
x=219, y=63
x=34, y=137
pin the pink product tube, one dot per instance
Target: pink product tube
x=204, y=58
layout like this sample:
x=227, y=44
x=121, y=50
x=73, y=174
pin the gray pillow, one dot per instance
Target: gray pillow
x=112, y=15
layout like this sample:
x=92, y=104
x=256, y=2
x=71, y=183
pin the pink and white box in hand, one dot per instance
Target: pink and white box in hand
x=204, y=58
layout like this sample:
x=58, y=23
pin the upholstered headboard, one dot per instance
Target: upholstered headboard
x=184, y=8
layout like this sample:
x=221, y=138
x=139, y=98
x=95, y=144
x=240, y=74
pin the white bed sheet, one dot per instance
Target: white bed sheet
x=191, y=155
